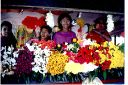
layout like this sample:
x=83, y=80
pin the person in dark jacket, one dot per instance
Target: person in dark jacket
x=7, y=37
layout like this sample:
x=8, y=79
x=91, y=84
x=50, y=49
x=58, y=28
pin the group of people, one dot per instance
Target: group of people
x=65, y=34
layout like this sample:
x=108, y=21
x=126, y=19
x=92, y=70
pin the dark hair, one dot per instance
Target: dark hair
x=45, y=27
x=55, y=26
x=63, y=15
x=6, y=23
x=102, y=20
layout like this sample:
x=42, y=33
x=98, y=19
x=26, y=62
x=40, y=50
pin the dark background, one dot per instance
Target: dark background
x=100, y=5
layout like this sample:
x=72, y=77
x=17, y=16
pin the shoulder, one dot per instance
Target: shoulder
x=57, y=33
x=71, y=32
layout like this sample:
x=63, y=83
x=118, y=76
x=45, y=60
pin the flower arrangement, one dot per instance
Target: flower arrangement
x=104, y=55
x=71, y=67
x=32, y=22
x=23, y=61
x=8, y=61
x=40, y=60
x=50, y=44
x=46, y=57
x=56, y=63
x=117, y=59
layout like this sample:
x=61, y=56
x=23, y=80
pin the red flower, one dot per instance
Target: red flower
x=30, y=22
x=35, y=40
x=105, y=65
x=64, y=47
x=80, y=29
x=71, y=55
x=50, y=44
x=96, y=58
x=84, y=55
x=41, y=21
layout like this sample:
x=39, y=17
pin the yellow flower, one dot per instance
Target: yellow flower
x=58, y=45
x=105, y=44
x=95, y=45
x=74, y=67
x=74, y=40
x=56, y=63
x=80, y=22
x=103, y=57
x=79, y=41
x=117, y=59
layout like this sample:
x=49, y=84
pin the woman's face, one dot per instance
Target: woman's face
x=65, y=23
x=44, y=34
x=100, y=26
x=5, y=31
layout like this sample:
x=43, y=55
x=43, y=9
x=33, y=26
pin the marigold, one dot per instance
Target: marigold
x=56, y=63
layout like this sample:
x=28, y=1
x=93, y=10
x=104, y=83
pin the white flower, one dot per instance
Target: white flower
x=89, y=67
x=33, y=63
x=66, y=43
x=40, y=60
x=69, y=47
x=64, y=53
x=9, y=49
x=4, y=62
x=13, y=61
x=47, y=52
x=8, y=58
x=15, y=54
x=30, y=47
x=36, y=69
x=5, y=56
x=2, y=48
x=86, y=42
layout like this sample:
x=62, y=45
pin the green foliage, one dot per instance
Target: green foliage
x=121, y=47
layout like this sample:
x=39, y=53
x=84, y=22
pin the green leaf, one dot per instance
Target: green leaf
x=121, y=47
x=105, y=75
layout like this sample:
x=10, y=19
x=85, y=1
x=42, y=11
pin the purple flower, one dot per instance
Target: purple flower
x=24, y=62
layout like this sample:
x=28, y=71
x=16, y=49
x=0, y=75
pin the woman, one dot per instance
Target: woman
x=7, y=37
x=65, y=34
x=99, y=34
x=45, y=33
